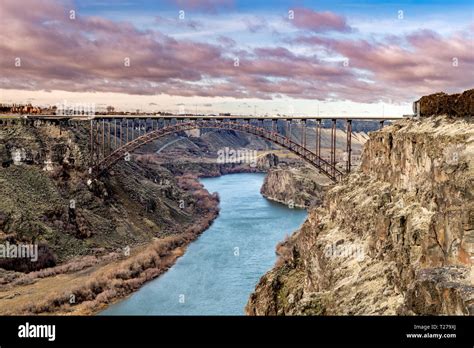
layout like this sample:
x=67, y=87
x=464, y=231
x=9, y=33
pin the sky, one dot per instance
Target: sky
x=293, y=57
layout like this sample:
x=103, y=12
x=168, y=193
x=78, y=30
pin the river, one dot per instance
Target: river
x=220, y=269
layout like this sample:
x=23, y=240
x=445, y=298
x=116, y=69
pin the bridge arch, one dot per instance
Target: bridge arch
x=309, y=156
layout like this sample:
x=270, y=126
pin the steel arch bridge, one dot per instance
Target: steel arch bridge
x=113, y=137
x=271, y=135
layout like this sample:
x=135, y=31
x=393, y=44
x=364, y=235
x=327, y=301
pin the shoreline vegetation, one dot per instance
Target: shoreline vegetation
x=87, y=285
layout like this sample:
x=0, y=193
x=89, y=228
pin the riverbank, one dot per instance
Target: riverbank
x=87, y=285
x=220, y=269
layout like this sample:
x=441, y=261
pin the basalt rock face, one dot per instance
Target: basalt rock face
x=395, y=237
x=46, y=198
x=299, y=187
x=457, y=105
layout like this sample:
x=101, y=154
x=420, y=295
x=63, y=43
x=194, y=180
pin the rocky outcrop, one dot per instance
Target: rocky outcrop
x=46, y=197
x=98, y=240
x=267, y=161
x=299, y=187
x=396, y=237
x=457, y=105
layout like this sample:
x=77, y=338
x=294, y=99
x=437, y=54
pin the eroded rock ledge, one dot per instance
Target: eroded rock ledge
x=396, y=237
x=456, y=105
x=299, y=187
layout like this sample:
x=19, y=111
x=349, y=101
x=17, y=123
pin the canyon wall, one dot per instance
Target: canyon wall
x=395, y=237
x=47, y=199
x=299, y=186
x=458, y=105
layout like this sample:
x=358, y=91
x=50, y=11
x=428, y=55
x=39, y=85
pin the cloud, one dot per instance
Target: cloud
x=255, y=24
x=421, y=62
x=192, y=24
x=203, y=5
x=318, y=22
x=226, y=41
x=101, y=55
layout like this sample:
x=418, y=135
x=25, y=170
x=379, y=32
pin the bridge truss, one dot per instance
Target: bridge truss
x=115, y=138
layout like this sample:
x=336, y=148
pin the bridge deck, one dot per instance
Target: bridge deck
x=199, y=117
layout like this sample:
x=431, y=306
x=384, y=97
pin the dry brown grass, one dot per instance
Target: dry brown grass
x=148, y=158
x=284, y=251
x=72, y=266
x=106, y=286
x=93, y=282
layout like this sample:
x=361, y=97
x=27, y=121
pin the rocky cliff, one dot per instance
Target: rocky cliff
x=461, y=104
x=299, y=186
x=396, y=237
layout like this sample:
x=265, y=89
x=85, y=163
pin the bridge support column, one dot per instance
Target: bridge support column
x=103, y=137
x=333, y=146
x=115, y=133
x=121, y=132
x=107, y=149
x=318, y=139
x=289, y=134
x=91, y=154
x=348, y=145
x=304, y=134
x=97, y=142
x=126, y=132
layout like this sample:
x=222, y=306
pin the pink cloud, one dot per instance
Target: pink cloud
x=319, y=21
x=421, y=62
x=87, y=54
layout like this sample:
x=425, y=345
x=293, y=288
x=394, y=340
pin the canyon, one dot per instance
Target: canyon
x=395, y=237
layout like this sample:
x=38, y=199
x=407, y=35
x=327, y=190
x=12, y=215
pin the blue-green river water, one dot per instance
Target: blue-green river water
x=220, y=269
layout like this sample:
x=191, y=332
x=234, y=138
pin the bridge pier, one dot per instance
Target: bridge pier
x=333, y=144
x=97, y=144
x=289, y=135
x=91, y=140
x=304, y=133
x=318, y=138
x=348, y=145
x=103, y=137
